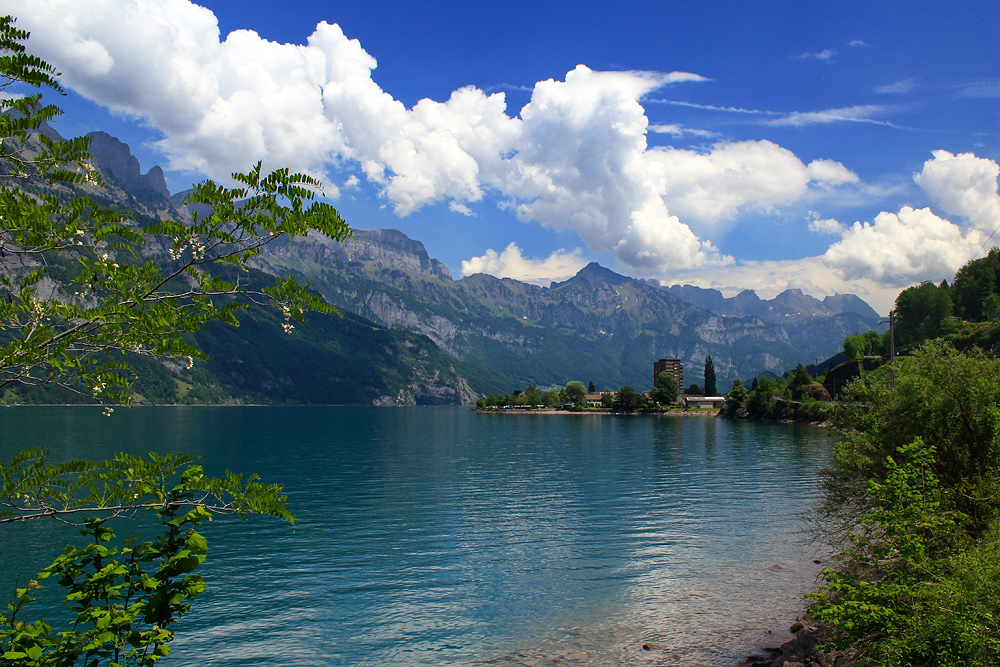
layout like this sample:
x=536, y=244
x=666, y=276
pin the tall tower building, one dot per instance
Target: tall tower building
x=673, y=366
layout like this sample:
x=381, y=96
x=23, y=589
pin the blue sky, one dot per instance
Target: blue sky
x=832, y=147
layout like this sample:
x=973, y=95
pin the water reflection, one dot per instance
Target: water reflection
x=434, y=535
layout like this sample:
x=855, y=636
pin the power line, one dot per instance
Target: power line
x=985, y=243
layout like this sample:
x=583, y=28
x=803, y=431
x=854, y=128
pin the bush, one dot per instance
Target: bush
x=628, y=400
x=761, y=401
x=735, y=400
x=812, y=411
x=946, y=397
x=913, y=489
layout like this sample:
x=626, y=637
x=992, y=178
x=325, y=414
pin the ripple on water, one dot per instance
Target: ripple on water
x=433, y=535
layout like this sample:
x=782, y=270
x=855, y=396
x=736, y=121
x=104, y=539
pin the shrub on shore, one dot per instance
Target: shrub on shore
x=796, y=397
x=913, y=492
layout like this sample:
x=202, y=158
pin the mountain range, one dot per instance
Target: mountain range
x=598, y=325
x=790, y=304
x=410, y=333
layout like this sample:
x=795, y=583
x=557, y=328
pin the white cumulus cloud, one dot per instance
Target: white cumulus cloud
x=711, y=186
x=963, y=185
x=875, y=260
x=582, y=163
x=575, y=157
x=826, y=226
x=511, y=263
x=828, y=173
x=902, y=248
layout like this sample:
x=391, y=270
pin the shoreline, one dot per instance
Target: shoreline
x=802, y=650
x=770, y=631
x=796, y=645
x=596, y=413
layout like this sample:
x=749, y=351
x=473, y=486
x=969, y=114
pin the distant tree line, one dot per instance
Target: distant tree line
x=573, y=396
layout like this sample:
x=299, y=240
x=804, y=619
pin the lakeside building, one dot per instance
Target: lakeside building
x=715, y=402
x=596, y=400
x=673, y=366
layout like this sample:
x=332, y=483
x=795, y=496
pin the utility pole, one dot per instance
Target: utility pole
x=892, y=347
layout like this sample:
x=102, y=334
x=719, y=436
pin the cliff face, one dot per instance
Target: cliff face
x=599, y=323
x=386, y=254
x=326, y=360
x=120, y=168
x=447, y=341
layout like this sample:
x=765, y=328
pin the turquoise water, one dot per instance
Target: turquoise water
x=429, y=536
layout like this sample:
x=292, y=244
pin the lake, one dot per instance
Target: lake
x=434, y=535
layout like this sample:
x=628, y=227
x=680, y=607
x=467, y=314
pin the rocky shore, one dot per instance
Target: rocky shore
x=802, y=650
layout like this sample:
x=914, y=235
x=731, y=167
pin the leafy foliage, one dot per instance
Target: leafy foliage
x=126, y=597
x=913, y=488
x=575, y=392
x=117, y=294
x=976, y=287
x=124, y=486
x=665, y=391
x=923, y=312
x=117, y=286
x=792, y=397
x=761, y=401
x=861, y=345
x=736, y=399
x=800, y=378
x=948, y=398
x=901, y=545
x=628, y=400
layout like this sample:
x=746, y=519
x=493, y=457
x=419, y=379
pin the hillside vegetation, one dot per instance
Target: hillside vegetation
x=913, y=499
x=912, y=496
x=964, y=314
x=341, y=359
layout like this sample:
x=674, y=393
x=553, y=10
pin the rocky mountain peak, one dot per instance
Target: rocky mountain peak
x=850, y=303
x=391, y=248
x=747, y=298
x=795, y=302
x=117, y=164
x=594, y=274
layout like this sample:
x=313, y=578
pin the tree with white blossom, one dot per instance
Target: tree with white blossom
x=83, y=287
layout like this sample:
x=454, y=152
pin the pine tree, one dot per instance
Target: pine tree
x=710, y=388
